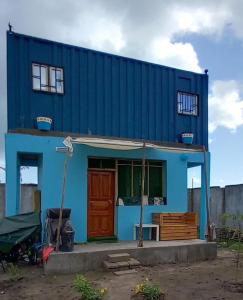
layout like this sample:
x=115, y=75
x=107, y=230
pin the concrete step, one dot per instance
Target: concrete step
x=134, y=262
x=125, y=272
x=121, y=265
x=118, y=257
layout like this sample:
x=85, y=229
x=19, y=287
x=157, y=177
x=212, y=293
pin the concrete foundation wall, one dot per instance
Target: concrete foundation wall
x=163, y=253
x=222, y=200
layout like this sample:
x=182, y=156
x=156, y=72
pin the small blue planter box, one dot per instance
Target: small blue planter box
x=187, y=138
x=44, y=123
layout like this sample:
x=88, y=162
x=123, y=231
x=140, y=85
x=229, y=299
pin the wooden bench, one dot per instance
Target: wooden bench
x=176, y=226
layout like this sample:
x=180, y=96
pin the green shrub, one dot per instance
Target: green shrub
x=237, y=247
x=148, y=290
x=87, y=290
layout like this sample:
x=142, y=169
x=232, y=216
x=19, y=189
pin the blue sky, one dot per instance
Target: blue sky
x=188, y=34
x=223, y=57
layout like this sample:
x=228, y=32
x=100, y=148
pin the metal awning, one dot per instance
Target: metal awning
x=119, y=144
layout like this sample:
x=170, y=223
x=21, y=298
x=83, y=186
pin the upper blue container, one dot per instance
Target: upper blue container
x=105, y=94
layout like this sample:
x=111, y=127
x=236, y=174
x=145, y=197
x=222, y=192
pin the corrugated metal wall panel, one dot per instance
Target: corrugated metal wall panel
x=104, y=94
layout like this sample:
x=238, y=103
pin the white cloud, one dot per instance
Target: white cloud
x=225, y=106
x=209, y=19
x=96, y=31
x=179, y=55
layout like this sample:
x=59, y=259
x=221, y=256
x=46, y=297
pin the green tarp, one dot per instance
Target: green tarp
x=15, y=229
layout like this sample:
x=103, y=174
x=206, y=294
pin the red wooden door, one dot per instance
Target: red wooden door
x=101, y=204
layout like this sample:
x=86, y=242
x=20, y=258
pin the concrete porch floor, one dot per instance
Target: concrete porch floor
x=124, y=245
x=90, y=256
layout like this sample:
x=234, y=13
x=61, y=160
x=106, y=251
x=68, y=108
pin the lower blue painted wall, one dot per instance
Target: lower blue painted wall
x=51, y=170
x=127, y=216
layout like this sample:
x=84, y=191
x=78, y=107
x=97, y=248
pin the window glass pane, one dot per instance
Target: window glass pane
x=137, y=162
x=124, y=181
x=124, y=162
x=155, y=163
x=155, y=182
x=36, y=83
x=59, y=74
x=108, y=163
x=59, y=85
x=94, y=163
x=53, y=79
x=36, y=70
x=187, y=103
x=50, y=78
x=44, y=78
x=137, y=181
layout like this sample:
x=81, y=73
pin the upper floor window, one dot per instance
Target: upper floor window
x=47, y=78
x=187, y=103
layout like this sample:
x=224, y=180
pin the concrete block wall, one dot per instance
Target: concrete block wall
x=27, y=198
x=2, y=200
x=222, y=200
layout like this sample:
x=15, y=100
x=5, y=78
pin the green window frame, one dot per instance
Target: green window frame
x=130, y=180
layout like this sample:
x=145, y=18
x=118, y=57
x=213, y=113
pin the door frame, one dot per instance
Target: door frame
x=114, y=171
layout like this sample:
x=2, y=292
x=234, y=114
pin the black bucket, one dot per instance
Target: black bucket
x=67, y=241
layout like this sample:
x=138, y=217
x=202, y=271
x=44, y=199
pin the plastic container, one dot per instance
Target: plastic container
x=67, y=241
x=54, y=213
x=187, y=138
x=44, y=123
x=67, y=236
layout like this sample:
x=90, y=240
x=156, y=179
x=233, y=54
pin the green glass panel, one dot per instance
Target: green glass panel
x=94, y=163
x=124, y=162
x=155, y=163
x=137, y=181
x=155, y=182
x=108, y=164
x=124, y=181
x=137, y=162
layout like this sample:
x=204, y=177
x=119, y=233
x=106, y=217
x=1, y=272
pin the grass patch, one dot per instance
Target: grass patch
x=14, y=272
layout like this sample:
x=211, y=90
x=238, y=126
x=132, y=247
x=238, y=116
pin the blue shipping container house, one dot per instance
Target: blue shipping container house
x=112, y=111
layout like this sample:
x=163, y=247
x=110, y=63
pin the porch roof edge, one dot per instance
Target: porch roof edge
x=121, y=144
x=161, y=144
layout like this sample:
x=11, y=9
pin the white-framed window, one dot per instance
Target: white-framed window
x=47, y=78
x=187, y=104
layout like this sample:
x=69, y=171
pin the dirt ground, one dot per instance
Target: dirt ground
x=203, y=280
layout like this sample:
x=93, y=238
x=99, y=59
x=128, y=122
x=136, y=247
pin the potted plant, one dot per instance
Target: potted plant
x=187, y=138
x=148, y=291
x=44, y=123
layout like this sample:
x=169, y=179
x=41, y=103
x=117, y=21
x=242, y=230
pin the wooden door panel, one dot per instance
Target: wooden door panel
x=101, y=204
x=94, y=186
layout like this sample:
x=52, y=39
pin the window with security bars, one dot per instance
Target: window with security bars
x=47, y=78
x=187, y=103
